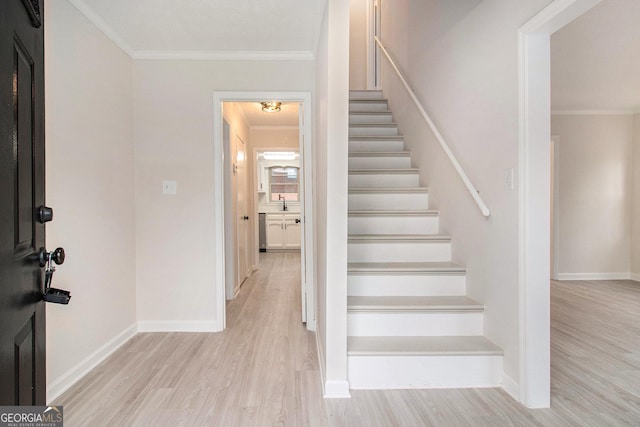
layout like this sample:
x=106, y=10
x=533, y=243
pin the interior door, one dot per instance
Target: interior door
x=300, y=231
x=242, y=214
x=22, y=312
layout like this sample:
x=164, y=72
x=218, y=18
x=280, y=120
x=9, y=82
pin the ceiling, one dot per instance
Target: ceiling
x=595, y=60
x=210, y=25
x=288, y=116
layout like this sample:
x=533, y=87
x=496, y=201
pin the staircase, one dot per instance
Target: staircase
x=410, y=324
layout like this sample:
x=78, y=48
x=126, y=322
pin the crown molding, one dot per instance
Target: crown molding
x=187, y=55
x=594, y=112
x=231, y=55
x=100, y=23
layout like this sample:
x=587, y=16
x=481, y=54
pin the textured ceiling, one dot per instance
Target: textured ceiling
x=595, y=60
x=211, y=25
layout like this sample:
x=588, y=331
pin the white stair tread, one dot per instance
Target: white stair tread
x=373, y=125
x=394, y=213
x=380, y=154
x=366, y=238
x=406, y=171
x=359, y=100
x=376, y=138
x=412, y=303
x=405, y=267
x=387, y=190
x=421, y=346
x=370, y=113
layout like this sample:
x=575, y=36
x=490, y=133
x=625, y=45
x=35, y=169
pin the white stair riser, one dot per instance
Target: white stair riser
x=407, y=284
x=409, y=323
x=393, y=224
x=373, y=131
x=412, y=372
x=386, y=201
x=383, y=180
x=365, y=94
x=375, y=145
x=355, y=106
x=370, y=118
x=376, y=162
x=399, y=252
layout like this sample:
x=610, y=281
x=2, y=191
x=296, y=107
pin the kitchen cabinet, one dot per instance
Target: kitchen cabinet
x=263, y=177
x=283, y=231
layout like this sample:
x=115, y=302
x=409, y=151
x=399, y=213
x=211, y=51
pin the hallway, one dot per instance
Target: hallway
x=263, y=370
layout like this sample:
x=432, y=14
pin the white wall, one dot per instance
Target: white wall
x=89, y=172
x=358, y=45
x=635, y=208
x=596, y=168
x=462, y=60
x=320, y=171
x=173, y=130
x=332, y=97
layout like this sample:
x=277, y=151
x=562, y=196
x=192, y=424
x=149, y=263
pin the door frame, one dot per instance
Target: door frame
x=374, y=63
x=555, y=212
x=218, y=184
x=534, y=59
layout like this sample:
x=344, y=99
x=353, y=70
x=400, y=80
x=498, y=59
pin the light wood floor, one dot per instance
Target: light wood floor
x=263, y=370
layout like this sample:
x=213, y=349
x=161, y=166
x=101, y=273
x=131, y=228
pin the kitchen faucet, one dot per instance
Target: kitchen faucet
x=284, y=202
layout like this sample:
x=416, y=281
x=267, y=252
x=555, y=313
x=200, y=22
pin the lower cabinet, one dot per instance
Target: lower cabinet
x=283, y=231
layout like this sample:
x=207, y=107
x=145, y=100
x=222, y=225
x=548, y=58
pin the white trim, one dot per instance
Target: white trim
x=274, y=128
x=178, y=326
x=593, y=112
x=102, y=25
x=510, y=386
x=594, y=276
x=555, y=261
x=218, y=212
x=190, y=55
x=337, y=390
x=230, y=55
x=73, y=375
x=534, y=57
x=634, y=276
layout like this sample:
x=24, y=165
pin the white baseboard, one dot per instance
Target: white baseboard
x=336, y=390
x=594, y=276
x=635, y=277
x=511, y=387
x=178, y=326
x=58, y=386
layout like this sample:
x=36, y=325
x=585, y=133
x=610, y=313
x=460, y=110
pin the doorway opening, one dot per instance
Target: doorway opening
x=253, y=177
x=534, y=50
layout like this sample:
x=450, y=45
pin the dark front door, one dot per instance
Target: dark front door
x=22, y=312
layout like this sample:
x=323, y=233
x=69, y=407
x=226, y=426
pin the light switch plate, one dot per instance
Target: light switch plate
x=508, y=179
x=169, y=187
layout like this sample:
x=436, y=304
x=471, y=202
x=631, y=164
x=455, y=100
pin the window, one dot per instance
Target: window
x=284, y=184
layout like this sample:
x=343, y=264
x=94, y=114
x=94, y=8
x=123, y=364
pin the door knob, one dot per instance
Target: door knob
x=297, y=220
x=246, y=218
x=56, y=256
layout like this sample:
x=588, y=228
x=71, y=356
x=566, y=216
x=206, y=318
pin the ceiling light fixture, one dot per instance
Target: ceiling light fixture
x=271, y=106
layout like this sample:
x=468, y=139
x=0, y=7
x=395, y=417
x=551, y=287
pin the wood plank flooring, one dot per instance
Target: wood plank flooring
x=263, y=370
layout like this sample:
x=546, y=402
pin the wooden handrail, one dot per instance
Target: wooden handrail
x=465, y=179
